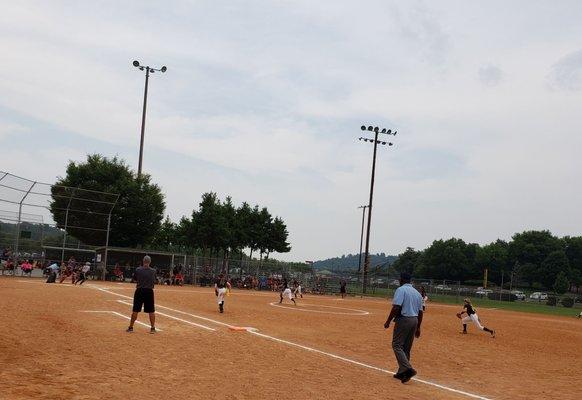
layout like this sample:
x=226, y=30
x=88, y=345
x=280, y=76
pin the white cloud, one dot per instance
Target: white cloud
x=264, y=100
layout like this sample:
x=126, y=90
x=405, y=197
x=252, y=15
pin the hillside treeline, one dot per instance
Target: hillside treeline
x=535, y=258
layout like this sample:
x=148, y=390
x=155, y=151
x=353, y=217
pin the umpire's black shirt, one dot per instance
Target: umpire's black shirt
x=145, y=277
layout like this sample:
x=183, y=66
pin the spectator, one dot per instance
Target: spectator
x=118, y=273
x=26, y=268
x=179, y=279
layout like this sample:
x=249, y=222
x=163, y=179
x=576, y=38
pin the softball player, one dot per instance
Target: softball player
x=220, y=286
x=472, y=317
x=285, y=291
x=297, y=289
x=424, y=297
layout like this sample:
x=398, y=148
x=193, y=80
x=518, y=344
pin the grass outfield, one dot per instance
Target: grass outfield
x=522, y=306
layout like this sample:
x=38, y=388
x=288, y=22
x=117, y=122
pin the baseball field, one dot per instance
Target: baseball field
x=60, y=341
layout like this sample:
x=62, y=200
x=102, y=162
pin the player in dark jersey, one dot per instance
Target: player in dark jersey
x=221, y=284
x=285, y=291
x=473, y=317
x=343, y=290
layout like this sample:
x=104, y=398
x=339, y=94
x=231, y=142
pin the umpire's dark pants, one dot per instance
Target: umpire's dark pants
x=404, y=331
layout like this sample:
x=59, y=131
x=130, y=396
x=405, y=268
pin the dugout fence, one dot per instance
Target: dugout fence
x=42, y=222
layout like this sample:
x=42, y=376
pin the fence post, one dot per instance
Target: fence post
x=458, y=291
x=195, y=269
x=15, y=255
x=66, y=225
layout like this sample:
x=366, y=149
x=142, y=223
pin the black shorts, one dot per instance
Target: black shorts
x=145, y=298
x=342, y=290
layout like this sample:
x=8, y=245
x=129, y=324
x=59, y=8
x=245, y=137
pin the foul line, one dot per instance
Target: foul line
x=176, y=318
x=168, y=308
x=254, y=331
x=361, y=364
x=122, y=316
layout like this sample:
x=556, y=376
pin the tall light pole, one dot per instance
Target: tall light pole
x=376, y=142
x=148, y=70
x=361, y=239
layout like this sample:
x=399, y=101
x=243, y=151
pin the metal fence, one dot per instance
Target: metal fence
x=40, y=221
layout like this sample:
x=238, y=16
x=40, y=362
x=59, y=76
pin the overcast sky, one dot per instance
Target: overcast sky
x=263, y=101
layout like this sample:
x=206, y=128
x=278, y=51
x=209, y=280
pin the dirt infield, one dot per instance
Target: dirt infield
x=52, y=347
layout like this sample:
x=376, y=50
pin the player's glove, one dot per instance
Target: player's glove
x=459, y=315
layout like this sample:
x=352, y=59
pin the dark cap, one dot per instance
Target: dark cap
x=405, y=277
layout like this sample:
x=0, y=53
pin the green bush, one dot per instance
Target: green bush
x=552, y=301
x=568, y=302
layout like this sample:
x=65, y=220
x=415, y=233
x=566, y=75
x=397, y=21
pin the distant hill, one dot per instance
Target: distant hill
x=350, y=262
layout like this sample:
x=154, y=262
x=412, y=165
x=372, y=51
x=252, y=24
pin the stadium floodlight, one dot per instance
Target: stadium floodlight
x=149, y=70
x=376, y=142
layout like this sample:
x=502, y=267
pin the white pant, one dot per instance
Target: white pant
x=474, y=319
x=287, y=293
x=298, y=290
x=221, y=293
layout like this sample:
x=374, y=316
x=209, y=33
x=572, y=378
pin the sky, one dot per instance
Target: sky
x=263, y=101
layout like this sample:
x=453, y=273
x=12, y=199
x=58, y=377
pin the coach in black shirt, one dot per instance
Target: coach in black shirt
x=145, y=277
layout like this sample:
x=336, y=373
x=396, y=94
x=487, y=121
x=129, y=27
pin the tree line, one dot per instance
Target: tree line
x=220, y=228
x=215, y=228
x=535, y=258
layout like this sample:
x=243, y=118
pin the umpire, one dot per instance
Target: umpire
x=407, y=314
x=145, y=277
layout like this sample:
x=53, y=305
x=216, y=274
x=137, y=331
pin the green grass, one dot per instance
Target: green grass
x=521, y=306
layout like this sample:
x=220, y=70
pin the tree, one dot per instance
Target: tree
x=495, y=258
x=533, y=246
x=573, y=250
x=451, y=259
x=554, y=264
x=561, y=283
x=407, y=261
x=136, y=217
x=263, y=231
x=278, y=235
x=167, y=235
x=210, y=225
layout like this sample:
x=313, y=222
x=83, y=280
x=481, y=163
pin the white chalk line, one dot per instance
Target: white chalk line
x=170, y=309
x=361, y=364
x=255, y=332
x=175, y=318
x=50, y=284
x=122, y=316
x=299, y=308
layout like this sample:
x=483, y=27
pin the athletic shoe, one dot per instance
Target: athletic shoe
x=493, y=333
x=407, y=375
x=129, y=330
x=153, y=330
x=464, y=332
x=398, y=375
